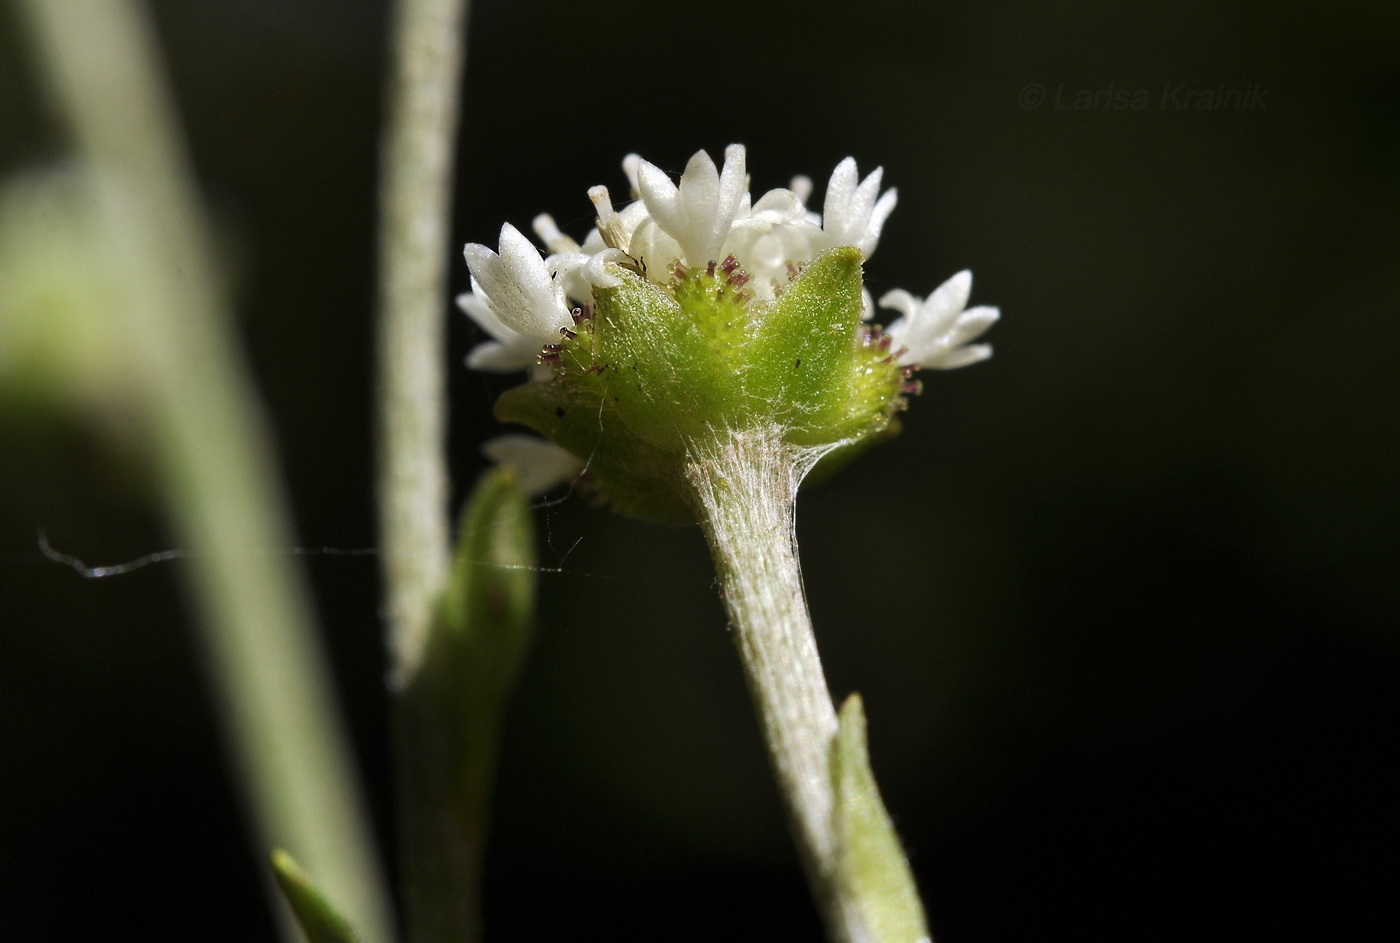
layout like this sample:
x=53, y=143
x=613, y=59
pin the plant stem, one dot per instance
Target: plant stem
x=440, y=857
x=745, y=487
x=211, y=450
x=415, y=212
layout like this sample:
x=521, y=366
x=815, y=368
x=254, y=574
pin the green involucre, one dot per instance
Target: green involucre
x=656, y=369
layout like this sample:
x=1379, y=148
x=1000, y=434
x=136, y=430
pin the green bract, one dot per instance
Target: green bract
x=651, y=370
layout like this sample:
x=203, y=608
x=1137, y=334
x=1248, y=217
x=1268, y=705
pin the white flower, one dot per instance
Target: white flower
x=523, y=301
x=852, y=215
x=540, y=463
x=772, y=239
x=518, y=286
x=508, y=351
x=700, y=212
x=934, y=332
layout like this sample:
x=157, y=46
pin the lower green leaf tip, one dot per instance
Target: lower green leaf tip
x=314, y=914
x=870, y=861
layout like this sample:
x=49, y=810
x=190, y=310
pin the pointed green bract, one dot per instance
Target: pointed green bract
x=656, y=370
x=314, y=914
x=813, y=365
x=450, y=714
x=870, y=862
x=484, y=617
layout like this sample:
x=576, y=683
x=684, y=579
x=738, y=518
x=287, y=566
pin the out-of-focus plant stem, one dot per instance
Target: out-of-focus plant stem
x=415, y=211
x=210, y=447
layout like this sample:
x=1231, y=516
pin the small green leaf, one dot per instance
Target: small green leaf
x=483, y=623
x=808, y=360
x=314, y=914
x=449, y=715
x=476, y=647
x=870, y=862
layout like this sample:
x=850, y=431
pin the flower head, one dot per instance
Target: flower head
x=934, y=332
x=695, y=307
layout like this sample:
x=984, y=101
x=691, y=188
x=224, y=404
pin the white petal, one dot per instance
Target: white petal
x=802, y=186
x=658, y=192
x=972, y=323
x=699, y=191
x=854, y=212
x=777, y=206
x=630, y=163
x=476, y=308
x=656, y=249
x=517, y=285
x=540, y=463
x=839, y=190
x=568, y=272
x=496, y=357
x=554, y=240
x=596, y=270
x=950, y=298
x=701, y=210
x=959, y=357
x=883, y=208
x=733, y=181
x=866, y=194
x=901, y=301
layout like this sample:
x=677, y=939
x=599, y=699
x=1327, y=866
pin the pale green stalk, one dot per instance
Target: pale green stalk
x=745, y=486
x=211, y=450
x=415, y=213
x=441, y=810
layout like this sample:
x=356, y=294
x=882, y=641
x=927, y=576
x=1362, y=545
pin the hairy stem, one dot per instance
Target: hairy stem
x=415, y=211
x=745, y=488
x=440, y=867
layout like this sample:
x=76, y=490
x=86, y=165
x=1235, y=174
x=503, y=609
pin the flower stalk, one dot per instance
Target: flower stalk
x=745, y=486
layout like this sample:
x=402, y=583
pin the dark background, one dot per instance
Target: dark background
x=1122, y=602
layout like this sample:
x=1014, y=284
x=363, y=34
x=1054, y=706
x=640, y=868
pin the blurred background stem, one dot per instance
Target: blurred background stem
x=440, y=837
x=415, y=209
x=210, y=447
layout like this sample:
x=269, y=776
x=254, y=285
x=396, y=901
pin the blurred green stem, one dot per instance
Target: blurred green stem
x=415, y=213
x=211, y=449
x=440, y=843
